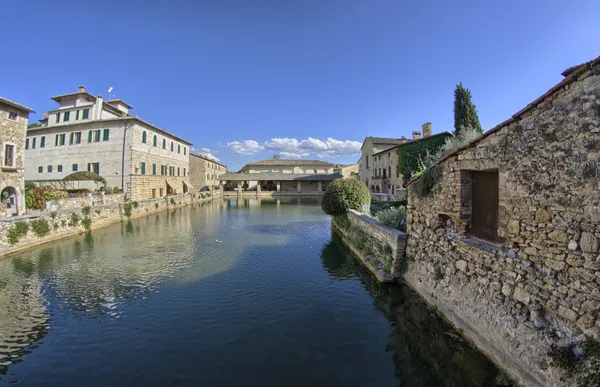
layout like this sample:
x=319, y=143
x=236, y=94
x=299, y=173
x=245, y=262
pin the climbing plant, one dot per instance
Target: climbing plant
x=408, y=154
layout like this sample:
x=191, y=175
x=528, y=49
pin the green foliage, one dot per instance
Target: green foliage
x=29, y=185
x=34, y=125
x=172, y=201
x=156, y=205
x=74, y=220
x=422, y=186
x=244, y=169
x=86, y=210
x=16, y=232
x=116, y=190
x=127, y=209
x=585, y=366
x=345, y=194
x=394, y=217
x=63, y=222
x=452, y=143
x=40, y=227
x=86, y=222
x=408, y=154
x=465, y=113
x=53, y=215
x=135, y=204
x=98, y=212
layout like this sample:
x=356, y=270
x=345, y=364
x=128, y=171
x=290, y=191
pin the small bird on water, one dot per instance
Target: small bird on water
x=218, y=241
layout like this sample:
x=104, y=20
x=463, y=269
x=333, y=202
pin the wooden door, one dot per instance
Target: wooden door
x=484, y=218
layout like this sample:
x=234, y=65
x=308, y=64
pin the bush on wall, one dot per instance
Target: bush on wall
x=412, y=153
x=345, y=194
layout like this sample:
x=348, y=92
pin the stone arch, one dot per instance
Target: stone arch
x=372, y=188
x=9, y=197
x=377, y=189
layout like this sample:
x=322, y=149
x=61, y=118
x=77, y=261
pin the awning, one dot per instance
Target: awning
x=83, y=176
x=175, y=185
x=190, y=187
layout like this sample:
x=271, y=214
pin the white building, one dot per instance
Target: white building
x=86, y=133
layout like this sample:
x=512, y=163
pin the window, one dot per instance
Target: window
x=154, y=140
x=71, y=138
x=33, y=142
x=9, y=155
x=184, y=151
x=76, y=115
x=178, y=148
x=178, y=170
x=66, y=116
x=60, y=139
x=164, y=144
x=154, y=169
x=389, y=171
x=484, y=203
x=26, y=143
x=57, y=118
x=12, y=116
x=94, y=167
x=77, y=138
x=49, y=168
x=105, y=134
x=143, y=168
x=59, y=168
x=86, y=114
x=43, y=142
x=40, y=169
x=171, y=146
x=367, y=160
x=97, y=135
x=184, y=169
x=144, y=137
x=160, y=190
x=75, y=167
x=153, y=193
x=384, y=173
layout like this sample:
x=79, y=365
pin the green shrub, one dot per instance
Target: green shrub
x=63, y=222
x=172, y=201
x=127, y=209
x=16, y=232
x=29, y=185
x=116, y=190
x=345, y=194
x=74, y=220
x=98, y=212
x=428, y=179
x=40, y=227
x=53, y=215
x=135, y=204
x=156, y=205
x=87, y=224
x=22, y=227
x=394, y=217
x=86, y=210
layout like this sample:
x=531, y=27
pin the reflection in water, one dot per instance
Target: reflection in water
x=156, y=301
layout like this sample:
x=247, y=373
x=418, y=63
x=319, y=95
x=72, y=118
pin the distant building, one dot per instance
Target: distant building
x=87, y=134
x=205, y=172
x=282, y=177
x=347, y=171
x=13, y=126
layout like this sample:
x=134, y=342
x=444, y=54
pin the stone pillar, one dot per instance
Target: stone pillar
x=278, y=185
x=258, y=188
x=299, y=187
x=319, y=186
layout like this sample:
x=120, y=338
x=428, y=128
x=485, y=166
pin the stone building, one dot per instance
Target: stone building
x=87, y=134
x=506, y=242
x=13, y=126
x=281, y=177
x=373, y=145
x=205, y=172
x=349, y=171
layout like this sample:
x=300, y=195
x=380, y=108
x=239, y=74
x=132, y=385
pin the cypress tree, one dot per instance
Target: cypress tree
x=465, y=113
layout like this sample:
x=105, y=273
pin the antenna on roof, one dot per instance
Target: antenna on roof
x=109, y=90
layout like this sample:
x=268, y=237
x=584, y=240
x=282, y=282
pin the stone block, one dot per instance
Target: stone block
x=559, y=236
x=461, y=265
x=521, y=295
x=514, y=226
x=573, y=245
x=589, y=242
x=507, y=290
x=567, y=313
x=554, y=264
x=542, y=216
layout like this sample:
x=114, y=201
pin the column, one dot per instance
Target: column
x=258, y=188
x=319, y=186
x=299, y=187
x=278, y=185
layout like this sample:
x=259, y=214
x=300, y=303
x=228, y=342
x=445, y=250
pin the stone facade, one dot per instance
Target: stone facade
x=13, y=126
x=386, y=179
x=347, y=171
x=127, y=152
x=291, y=166
x=205, y=172
x=535, y=282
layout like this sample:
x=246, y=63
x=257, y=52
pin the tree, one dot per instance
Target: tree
x=465, y=113
x=276, y=157
x=244, y=169
x=345, y=194
x=33, y=125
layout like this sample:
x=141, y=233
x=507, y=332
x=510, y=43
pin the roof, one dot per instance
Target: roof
x=207, y=159
x=413, y=141
x=278, y=176
x=83, y=176
x=291, y=162
x=383, y=140
x=16, y=105
x=573, y=74
x=117, y=100
x=59, y=97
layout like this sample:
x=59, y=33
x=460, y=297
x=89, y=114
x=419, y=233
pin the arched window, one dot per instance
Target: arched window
x=164, y=144
x=154, y=140
x=185, y=151
x=172, y=146
x=144, y=137
x=178, y=148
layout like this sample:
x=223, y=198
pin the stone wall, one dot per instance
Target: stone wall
x=67, y=220
x=388, y=265
x=204, y=173
x=80, y=202
x=538, y=285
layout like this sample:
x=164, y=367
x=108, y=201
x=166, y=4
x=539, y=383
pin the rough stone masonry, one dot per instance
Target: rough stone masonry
x=538, y=283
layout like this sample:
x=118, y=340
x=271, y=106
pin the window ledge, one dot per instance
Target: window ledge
x=489, y=247
x=11, y=169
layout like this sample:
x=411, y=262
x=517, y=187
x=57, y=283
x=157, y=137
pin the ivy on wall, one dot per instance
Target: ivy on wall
x=408, y=154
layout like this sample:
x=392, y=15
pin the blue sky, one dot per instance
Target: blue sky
x=248, y=79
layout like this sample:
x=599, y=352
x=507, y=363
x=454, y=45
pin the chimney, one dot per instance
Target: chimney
x=81, y=89
x=99, y=102
x=416, y=135
x=403, y=138
x=426, y=129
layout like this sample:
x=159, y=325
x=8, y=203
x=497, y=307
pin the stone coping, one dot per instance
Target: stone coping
x=377, y=223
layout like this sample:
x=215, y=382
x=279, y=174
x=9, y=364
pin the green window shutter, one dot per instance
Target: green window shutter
x=143, y=168
x=66, y=117
x=86, y=114
x=164, y=144
x=184, y=151
x=96, y=135
x=40, y=169
x=178, y=148
x=43, y=142
x=59, y=168
x=143, y=137
x=57, y=118
x=26, y=143
x=89, y=167
x=89, y=137
x=33, y=143
x=56, y=140
x=71, y=136
x=76, y=115
x=154, y=140
x=50, y=168
x=183, y=169
x=75, y=167
x=106, y=134
x=178, y=170
x=171, y=146
x=154, y=169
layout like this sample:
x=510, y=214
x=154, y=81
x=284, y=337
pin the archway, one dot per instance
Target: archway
x=9, y=199
x=377, y=189
x=372, y=188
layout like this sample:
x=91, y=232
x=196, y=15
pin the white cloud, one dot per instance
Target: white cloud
x=292, y=148
x=205, y=152
x=246, y=147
